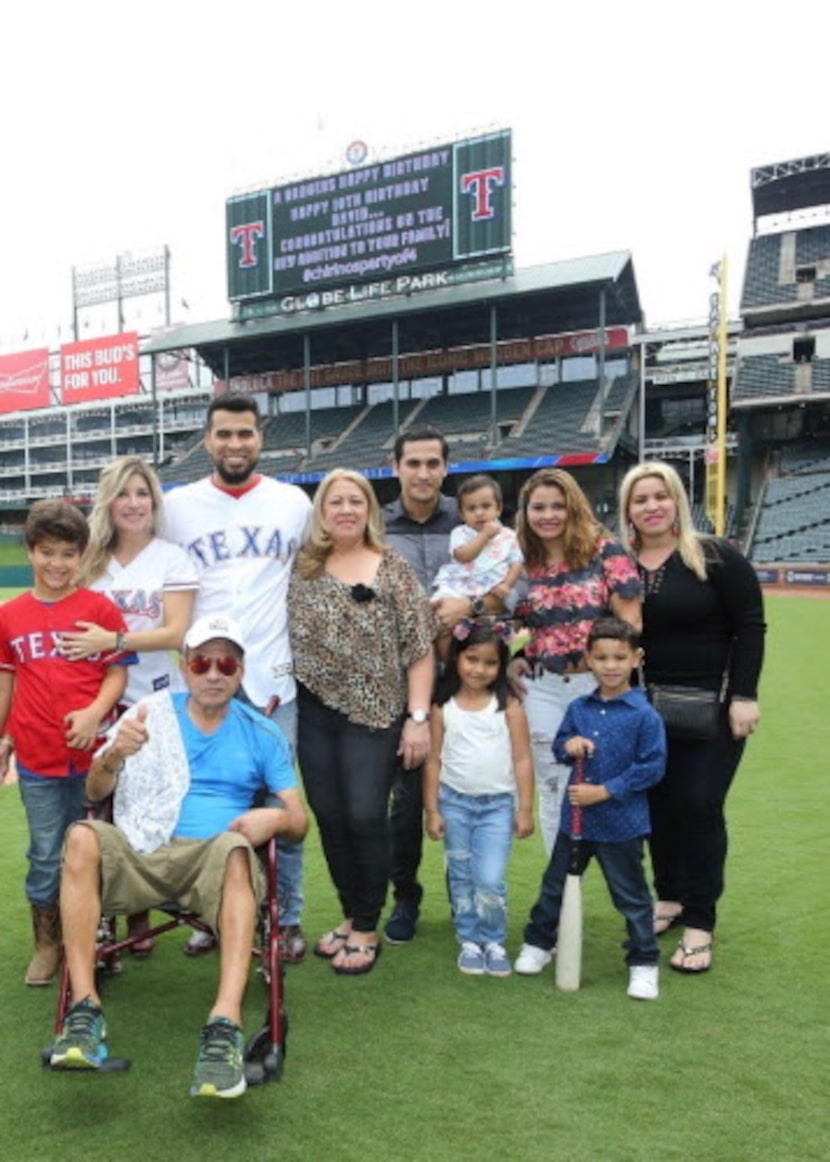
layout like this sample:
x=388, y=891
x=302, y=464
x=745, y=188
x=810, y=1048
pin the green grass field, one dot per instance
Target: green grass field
x=417, y=1062
x=12, y=551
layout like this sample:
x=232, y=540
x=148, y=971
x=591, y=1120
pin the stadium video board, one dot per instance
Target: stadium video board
x=322, y=241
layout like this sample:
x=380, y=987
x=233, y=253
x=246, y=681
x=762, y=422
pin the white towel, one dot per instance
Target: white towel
x=153, y=782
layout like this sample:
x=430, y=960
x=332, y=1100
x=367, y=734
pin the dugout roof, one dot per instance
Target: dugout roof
x=540, y=300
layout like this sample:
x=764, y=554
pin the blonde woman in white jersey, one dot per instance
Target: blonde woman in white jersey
x=149, y=579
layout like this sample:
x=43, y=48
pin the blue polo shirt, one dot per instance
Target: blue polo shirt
x=630, y=757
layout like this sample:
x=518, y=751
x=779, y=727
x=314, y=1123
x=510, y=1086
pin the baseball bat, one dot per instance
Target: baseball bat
x=569, y=941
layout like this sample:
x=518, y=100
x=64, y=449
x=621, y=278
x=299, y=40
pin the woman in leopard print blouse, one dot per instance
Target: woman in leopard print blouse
x=361, y=634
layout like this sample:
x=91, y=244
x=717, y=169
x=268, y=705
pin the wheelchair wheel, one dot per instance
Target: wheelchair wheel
x=264, y=1061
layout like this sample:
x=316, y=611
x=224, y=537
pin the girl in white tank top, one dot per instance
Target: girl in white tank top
x=478, y=788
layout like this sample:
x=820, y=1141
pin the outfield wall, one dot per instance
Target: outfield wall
x=15, y=577
x=813, y=576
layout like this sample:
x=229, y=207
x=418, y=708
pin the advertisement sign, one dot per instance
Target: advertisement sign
x=766, y=576
x=172, y=369
x=100, y=368
x=362, y=292
x=24, y=381
x=374, y=223
x=427, y=363
x=807, y=576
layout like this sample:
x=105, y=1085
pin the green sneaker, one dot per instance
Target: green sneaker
x=220, y=1068
x=82, y=1042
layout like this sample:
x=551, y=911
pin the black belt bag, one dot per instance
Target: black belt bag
x=687, y=711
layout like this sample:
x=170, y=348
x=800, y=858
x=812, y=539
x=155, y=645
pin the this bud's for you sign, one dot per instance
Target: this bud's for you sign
x=100, y=368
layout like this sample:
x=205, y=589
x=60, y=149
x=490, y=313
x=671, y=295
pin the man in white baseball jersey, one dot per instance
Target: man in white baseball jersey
x=242, y=531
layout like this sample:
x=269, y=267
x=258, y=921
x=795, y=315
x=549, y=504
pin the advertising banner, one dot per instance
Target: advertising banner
x=806, y=576
x=427, y=363
x=24, y=381
x=172, y=371
x=104, y=368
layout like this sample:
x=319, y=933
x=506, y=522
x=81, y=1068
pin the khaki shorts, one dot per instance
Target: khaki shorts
x=188, y=872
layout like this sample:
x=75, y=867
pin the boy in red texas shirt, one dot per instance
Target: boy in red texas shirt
x=52, y=706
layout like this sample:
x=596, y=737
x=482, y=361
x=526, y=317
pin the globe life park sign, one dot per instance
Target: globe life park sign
x=422, y=221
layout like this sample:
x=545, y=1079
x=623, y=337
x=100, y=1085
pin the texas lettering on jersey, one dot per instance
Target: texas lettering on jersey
x=257, y=542
x=35, y=647
x=138, y=602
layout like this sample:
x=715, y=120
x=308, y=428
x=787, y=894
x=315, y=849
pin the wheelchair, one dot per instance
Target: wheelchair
x=265, y=1050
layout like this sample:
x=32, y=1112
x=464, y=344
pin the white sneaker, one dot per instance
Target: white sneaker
x=642, y=982
x=531, y=960
x=199, y=943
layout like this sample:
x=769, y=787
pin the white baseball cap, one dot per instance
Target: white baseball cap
x=216, y=625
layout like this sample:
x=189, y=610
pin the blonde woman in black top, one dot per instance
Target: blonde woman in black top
x=703, y=627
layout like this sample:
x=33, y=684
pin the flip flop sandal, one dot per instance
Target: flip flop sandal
x=669, y=921
x=373, y=951
x=323, y=947
x=692, y=952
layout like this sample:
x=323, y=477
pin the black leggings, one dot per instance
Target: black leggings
x=347, y=771
x=688, y=828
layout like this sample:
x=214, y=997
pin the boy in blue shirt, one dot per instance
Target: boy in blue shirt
x=622, y=741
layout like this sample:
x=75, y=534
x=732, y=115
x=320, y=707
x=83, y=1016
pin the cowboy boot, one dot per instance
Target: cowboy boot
x=47, y=956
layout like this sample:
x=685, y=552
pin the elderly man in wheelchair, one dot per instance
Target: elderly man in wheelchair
x=186, y=769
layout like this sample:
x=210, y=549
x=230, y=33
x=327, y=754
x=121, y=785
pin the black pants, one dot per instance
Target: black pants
x=688, y=827
x=347, y=771
x=406, y=824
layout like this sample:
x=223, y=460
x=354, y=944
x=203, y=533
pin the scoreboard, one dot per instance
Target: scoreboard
x=317, y=241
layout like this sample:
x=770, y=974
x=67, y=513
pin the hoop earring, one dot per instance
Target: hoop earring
x=675, y=528
x=633, y=535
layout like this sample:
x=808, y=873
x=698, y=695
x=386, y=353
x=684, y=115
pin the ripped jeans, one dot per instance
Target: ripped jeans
x=478, y=833
x=548, y=697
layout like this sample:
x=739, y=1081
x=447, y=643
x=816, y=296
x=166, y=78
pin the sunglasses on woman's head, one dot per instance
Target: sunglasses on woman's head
x=200, y=665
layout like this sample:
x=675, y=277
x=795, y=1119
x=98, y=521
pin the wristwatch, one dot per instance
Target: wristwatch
x=418, y=716
x=477, y=606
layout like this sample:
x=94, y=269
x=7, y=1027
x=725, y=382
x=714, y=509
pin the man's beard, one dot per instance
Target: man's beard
x=235, y=476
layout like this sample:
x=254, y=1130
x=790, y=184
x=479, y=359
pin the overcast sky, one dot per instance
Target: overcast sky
x=125, y=127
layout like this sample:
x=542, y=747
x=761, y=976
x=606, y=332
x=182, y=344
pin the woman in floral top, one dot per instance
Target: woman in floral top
x=575, y=573
x=361, y=634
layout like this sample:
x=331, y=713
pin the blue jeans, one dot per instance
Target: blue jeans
x=622, y=866
x=51, y=805
x=290, y=880
x=478, y=833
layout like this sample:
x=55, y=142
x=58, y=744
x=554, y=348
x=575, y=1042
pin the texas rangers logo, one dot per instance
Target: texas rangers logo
x=479, y=184
x=245, y=237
